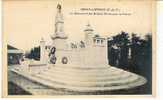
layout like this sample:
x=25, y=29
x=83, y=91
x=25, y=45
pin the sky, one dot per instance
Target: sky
x=27, y=21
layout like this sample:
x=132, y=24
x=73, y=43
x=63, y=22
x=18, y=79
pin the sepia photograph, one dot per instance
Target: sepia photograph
x=78, y=47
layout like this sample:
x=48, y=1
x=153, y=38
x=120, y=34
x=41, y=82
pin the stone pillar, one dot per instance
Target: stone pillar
x=88, y=35
x=106, y=51
x=42, y=51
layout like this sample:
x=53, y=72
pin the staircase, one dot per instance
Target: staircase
x=88, y=79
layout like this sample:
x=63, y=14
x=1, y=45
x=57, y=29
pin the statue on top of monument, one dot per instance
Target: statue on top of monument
x=59, y=7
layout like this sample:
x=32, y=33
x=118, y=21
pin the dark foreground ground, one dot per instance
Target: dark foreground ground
x=142, y=90
x=13, y=89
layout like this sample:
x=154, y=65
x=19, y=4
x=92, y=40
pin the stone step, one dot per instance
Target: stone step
x=55, y=84
x=77, y=69
x=85, y=72
x=83, y=68
x=68, y=66
x=91, y=83
x=84, y=77
x=93, y=74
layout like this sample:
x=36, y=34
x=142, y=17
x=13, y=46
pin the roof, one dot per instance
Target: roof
x=11, y=49
x=98, y=37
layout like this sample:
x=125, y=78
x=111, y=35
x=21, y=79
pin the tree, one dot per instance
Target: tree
x=140, y=61
x=34, y=53
x=119, y=48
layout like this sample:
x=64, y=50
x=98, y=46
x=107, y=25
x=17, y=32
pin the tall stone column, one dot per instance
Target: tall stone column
x=59, y=38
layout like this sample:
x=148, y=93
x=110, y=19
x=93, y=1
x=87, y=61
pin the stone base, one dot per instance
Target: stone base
x=83, y=79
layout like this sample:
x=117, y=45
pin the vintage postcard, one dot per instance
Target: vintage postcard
x=78, y=48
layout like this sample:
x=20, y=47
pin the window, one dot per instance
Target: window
x=98, y=41
x=102, y=41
